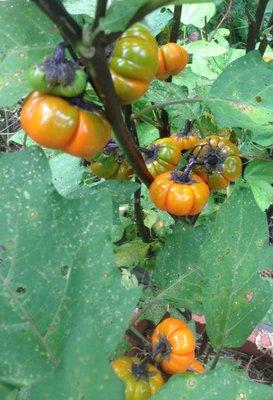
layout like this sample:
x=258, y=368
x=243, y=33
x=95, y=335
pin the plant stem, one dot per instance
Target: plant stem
x=175, y=28
x=100, y=12
x=143, y=231
x=176, y=24
x=216, y=359
x=264, y=42
x=255, y=25
x=93, y=58
x=164, y=130
x=165, y=104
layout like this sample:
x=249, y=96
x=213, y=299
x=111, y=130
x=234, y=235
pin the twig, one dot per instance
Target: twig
x=100, y=12
x=165, y=104
x=264, y=42
x=216, y=359
x=255, y=25
x=225, y=16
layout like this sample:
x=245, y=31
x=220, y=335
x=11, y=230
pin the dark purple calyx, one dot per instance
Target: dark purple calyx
x=140, y=371
x=150, y=153
x=213, y=160
x=184, y=176
x=58, y=70
x=163, y=348
x=111, y=147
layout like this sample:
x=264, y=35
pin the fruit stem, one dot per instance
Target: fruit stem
x=59, y=53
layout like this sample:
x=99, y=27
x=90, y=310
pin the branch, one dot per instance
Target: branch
x=225, y=16
x=255, y=25
x=176, y=23
x=100, y=12
x=264, y=42
x=175, y=29
x=94, y=60
x=165, y=104
x=143, y=231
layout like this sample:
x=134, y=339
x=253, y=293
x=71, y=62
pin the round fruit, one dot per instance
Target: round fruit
x=161, y=156
x=179, y=194
x=219, y=160
x=58, y=76
x=133, y=63
x=141, y=380
x=52, y=122
x=172, y=59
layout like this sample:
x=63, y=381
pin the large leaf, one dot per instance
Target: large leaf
x=178, y=269
x=60, y=287
x=27, y=36
x=235, y=296
x=121, y=12
x=259, y=174
x=226, y=382
x=242, y=97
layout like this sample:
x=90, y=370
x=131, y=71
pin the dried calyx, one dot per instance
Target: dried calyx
x=58, y=70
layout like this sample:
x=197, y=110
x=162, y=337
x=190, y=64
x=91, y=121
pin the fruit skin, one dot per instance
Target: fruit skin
x=137, y=388
x=227, y=169
x=166, y=155
x=133, y=63
x=111, y=166
x=179, y=198
x=172, y=59
x=52, y=122
x=37, y=79
x=180, y=345
x=185, y=142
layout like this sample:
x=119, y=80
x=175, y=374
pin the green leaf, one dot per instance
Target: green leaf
x=259, y=174
x=157, y=20
x=235, y=296
x=67, y=173
x=178, y=267
x=131, y=253
x=146, y=133
x=259, y=170
x=195, y=14
x=205, y=49
x=242, y=97
x=87, y=7
x=27, y=37
x=82, y=374
x=60, y=287
x=226, y=382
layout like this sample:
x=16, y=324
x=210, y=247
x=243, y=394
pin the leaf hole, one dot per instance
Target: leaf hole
x=21, y=290
x=258, y=99
x=64, y=270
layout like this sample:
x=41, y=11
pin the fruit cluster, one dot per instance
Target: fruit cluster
x=172, y=351
x=55, y=115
